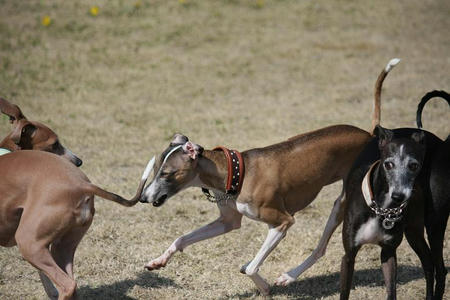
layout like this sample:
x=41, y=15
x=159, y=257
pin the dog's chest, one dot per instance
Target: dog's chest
x=247, y=210
x=371, y=232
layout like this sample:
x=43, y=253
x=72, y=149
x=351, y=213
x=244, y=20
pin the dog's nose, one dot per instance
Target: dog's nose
x=398, y=197
x=78, y=162
x=143, y=199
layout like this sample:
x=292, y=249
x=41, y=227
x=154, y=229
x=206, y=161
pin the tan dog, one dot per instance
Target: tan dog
x=279, y=180
x=30, y=135
x=46, y=206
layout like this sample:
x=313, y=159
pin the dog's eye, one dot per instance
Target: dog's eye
x=167, y=174
x=413, y=166
x=388, y=165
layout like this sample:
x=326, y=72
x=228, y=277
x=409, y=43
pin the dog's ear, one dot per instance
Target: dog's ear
x=193, y=150
x=384, y=135
x=419, y=137
x=11, y=110
x=23, y=134
x=178, y=139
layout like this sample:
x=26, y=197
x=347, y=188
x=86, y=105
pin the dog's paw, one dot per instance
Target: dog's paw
x=284, y=280
x=243, y=268
x=155, y=264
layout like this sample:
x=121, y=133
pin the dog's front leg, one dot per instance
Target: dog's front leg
x=275, y=235
x=389, y=266
x=229, y=219
x=347, y=269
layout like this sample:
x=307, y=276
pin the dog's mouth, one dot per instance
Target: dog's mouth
x=160, y=201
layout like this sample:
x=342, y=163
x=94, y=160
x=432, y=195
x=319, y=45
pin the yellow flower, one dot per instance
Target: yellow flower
x=182, y=1
x=137, y=4
x=46, y=21
x=260, y=3
x=94, y=11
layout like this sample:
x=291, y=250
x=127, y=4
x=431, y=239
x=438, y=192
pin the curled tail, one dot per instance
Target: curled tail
x=119, y=199
x=425, y=99
x=378, y=85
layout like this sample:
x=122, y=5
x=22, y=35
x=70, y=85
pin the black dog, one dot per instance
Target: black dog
x=384, y=199
x=437, y=196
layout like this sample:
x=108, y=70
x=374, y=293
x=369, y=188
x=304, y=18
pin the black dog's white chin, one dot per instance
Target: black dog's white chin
x=160, y=201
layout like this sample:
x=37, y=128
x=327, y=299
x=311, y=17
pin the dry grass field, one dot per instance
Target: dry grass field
x=117, y=85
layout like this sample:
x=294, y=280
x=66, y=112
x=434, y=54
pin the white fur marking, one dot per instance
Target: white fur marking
x=167, y=156
x=391, y=64
x=371, y=233
x=246, y=210
x=149, y=167
x=150, y=191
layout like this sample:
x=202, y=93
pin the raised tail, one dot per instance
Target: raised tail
x=378, y=85
x=119, y=199
x=425, y=99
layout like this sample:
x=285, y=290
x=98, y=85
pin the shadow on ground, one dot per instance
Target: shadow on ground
x=119, y=289
x=328, y=285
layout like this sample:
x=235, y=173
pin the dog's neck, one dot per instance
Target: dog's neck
x=212, y=170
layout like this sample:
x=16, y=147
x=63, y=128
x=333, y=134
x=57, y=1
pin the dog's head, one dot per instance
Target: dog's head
x=29, y=135
x=174, y=171
x=401, y=160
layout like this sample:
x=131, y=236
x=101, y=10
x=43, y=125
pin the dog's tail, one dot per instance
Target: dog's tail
x=425, y=99
x=119, y=199
x=378, y=85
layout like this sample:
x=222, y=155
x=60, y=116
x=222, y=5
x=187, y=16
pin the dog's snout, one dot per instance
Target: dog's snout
x=398, y=197
x=143, y=199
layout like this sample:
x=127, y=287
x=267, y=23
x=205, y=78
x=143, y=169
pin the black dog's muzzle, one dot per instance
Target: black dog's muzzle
x=160, y=201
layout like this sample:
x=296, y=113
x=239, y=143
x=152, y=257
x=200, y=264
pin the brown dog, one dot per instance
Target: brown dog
x=30, y=135
x=267, y=184
x=46, y=206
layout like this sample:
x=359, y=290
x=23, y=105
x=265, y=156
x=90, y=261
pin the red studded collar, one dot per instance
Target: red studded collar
x=235, y=174
x=236, y=170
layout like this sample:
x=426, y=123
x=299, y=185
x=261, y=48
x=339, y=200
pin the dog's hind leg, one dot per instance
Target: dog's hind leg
x=334, y=220
x=63, y=252
x=436, y=233
x=436, y=218
x=36, y=252
x=49, y=288
x=389, y=267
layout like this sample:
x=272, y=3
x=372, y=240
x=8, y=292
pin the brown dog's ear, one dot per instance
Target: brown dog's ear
x=384, y=135
x=179, y=139
x=419, y=137
x=193, y=150
x=11, y=110
x=23, y=135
